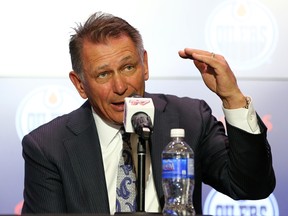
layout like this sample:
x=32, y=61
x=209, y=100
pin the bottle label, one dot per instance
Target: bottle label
x=178, y=168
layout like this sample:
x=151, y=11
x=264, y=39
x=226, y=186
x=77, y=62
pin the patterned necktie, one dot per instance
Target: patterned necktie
x=126, y=178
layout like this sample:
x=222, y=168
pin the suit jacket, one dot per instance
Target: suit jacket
x=64, y=168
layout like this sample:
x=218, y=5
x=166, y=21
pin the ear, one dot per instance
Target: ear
x=77, y=82
x=146, y=68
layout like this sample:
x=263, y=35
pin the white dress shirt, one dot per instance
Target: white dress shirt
x=111, y=147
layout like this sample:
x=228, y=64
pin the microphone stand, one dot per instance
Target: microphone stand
x=144, y=137
x=143, y=127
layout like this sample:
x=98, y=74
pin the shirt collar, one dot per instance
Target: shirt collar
x=106, y=131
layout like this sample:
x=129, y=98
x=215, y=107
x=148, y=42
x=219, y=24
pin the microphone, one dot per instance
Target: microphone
x=138, y=118
x=138, y=114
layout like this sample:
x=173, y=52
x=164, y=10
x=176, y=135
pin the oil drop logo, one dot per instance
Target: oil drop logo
x=244, y=31
x=42, y=105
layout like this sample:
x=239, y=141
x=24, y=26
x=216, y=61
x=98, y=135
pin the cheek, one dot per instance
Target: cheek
x=141, y=82
x=96, y=93
x=134, y=83
x=104, y=94
x=138, y=80
x=100, y=94
x=99, y=100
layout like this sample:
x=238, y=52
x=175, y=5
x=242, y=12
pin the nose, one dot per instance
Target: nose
x=119, y=84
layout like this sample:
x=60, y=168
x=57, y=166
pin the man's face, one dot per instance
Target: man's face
x=112, y=71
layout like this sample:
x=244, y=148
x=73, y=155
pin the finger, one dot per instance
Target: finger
x=199, y=55
x=184, y=54
x=190, y=52
x=211, y=59
x=200, y=66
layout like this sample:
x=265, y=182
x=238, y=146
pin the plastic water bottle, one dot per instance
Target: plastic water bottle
x=178, y=175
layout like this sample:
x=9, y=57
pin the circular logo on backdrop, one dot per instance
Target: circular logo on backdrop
x=221, y=205
x=244, y=31
x=42, y=105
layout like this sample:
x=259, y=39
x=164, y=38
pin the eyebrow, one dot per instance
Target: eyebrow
x=126, y=58
x=122, y=60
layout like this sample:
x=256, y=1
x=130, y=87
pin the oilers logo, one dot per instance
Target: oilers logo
x=42, y=105
x=244, y=31
x=219, y=204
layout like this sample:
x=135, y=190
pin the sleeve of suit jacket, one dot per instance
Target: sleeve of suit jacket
x=238, y=165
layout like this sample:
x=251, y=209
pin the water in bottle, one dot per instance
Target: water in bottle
x=178, y=175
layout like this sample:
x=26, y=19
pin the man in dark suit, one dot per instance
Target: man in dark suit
x=71, y=162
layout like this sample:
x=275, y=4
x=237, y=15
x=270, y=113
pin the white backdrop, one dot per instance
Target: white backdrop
x=250, y=33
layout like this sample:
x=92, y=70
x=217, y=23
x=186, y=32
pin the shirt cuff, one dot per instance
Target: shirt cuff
x=243, y=118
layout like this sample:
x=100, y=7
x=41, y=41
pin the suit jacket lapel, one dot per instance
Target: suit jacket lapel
x=86, y=159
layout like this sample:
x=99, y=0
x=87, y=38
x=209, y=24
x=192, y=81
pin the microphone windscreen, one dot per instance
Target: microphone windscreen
x=134, y=105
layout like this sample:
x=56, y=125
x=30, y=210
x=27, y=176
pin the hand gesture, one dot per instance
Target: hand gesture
x=217, y=76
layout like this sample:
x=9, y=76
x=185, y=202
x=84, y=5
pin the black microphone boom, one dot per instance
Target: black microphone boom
x=142, y=125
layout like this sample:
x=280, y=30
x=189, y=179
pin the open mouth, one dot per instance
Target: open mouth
x=119, y=106
x=118, y=103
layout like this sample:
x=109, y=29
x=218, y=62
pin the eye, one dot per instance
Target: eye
x=103, y=75
x=129, y=68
